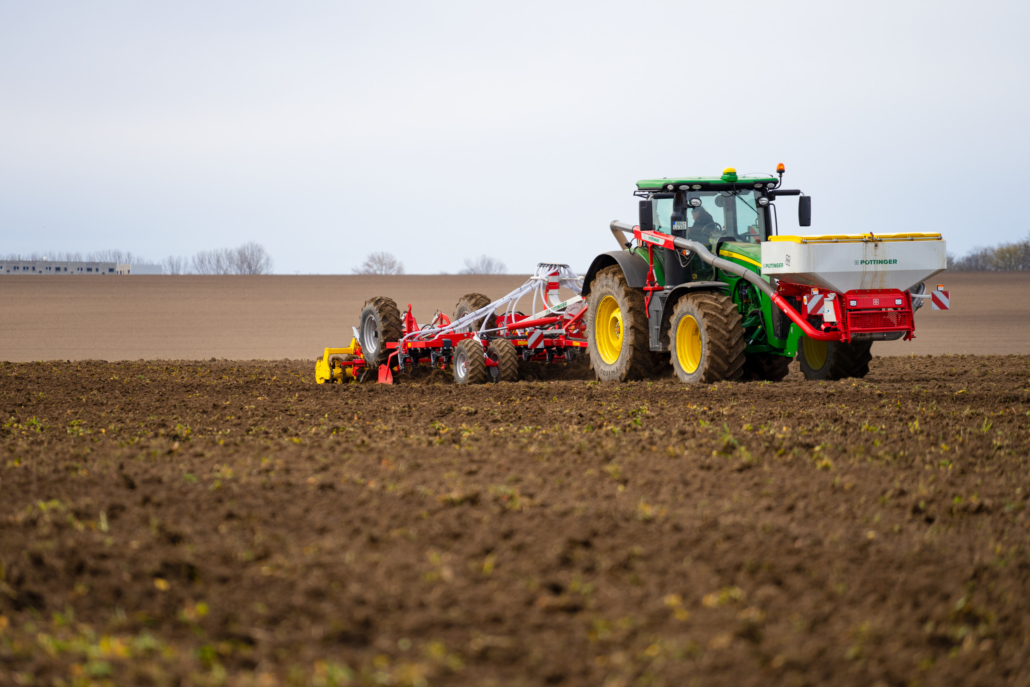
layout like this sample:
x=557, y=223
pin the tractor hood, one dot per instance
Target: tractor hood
x=845, y=263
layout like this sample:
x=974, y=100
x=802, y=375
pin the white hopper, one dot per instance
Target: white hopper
x=847, y=262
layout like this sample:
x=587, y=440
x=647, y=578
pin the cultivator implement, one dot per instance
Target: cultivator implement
x=340, y=364
x=483, y=342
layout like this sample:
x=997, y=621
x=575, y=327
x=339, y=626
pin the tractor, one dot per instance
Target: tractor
x=705, y=281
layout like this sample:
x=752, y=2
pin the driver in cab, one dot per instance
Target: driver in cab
x=704, y=225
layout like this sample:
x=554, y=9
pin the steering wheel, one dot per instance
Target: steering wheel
x=706, y=233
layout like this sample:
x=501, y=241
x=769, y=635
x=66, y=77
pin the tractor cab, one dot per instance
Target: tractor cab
x=728, y=214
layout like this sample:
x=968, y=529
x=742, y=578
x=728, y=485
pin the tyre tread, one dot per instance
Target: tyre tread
x=640, y=363
x=725, y=360
x=389, y=318
x=507, y=360
x=843, y=360
x=766, y=367
x=471, y=303
x=475, y=368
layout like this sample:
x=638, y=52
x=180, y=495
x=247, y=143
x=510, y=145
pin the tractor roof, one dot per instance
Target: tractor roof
x=725, y=181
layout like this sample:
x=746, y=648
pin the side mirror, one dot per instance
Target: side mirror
x=805, y=211
x=646, y=216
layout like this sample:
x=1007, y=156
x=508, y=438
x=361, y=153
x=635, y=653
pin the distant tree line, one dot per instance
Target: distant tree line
x=1007, y=257
x=484, y=264
x=250, y=258
x=381, y=262
x=116, y=256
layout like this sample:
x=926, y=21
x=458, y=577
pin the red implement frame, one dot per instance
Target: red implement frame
x=408, y=352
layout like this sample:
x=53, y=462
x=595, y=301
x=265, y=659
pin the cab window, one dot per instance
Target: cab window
x=735, y=215
x=661, y=211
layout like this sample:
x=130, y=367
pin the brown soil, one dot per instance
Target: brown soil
x=206, y=523
x=275, y=317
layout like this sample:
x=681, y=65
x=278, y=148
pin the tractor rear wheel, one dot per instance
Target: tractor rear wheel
x=380, y=324
x=469, y=363
x=766, y=367
x=706, y=337
x=831, y=360
x=502, y=352
x=472, y=302
x=617, y=329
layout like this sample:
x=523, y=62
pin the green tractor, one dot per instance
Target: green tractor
x=705, y=282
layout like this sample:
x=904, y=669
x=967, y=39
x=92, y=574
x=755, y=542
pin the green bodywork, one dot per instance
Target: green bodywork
x=758, y=321
x=755, y=307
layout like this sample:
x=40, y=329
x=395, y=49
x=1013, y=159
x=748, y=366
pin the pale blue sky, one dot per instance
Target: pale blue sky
x=439, y=131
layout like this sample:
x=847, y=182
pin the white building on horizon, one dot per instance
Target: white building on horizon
x=41, y=267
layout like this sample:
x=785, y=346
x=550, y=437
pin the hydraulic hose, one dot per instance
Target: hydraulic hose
x=762, y=285
x=752, y=277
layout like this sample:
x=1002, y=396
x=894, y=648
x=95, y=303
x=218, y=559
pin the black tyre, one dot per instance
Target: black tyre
x=469, y=363
x=706, y=338
x=472, y=302
x=766, y=367
x=502, y=352
x=617, y=329
x=831, y=360
x=380, y=324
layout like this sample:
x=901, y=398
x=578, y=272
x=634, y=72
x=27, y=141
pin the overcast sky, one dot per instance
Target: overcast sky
x=441, y=131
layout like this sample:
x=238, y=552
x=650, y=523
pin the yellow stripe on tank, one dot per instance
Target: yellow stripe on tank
x=857, y=238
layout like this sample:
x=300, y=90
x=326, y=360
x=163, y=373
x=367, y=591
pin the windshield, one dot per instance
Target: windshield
x=732, y=214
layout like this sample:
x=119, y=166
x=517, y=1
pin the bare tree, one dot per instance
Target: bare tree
x=109, y=255
x=380, y=263
x=210, y=262
x=251, y=258
x=175, y=264
x=116, y=256
x=484, y=264
x=36, y=255
x=977, y=260
x=1012, y=256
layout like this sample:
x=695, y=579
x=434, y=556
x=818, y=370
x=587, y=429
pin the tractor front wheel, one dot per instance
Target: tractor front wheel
x=832, y=360
x=469, y=363
x=706, y=337
x=617, y=329
x=380, y=324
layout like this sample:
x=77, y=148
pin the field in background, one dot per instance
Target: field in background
x=276, y=317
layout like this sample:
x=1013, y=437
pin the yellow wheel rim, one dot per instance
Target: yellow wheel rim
x=815, y=352
x=688, y=344
x=608, y=329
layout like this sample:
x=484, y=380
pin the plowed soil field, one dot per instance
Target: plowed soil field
x=234, y=523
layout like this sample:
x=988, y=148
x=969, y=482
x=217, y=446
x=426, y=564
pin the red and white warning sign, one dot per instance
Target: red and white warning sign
x=815, y=304
x=940, y=299
x=536, y=339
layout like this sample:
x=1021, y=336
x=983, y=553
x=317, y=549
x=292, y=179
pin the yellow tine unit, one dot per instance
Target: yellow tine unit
x=325, y=371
